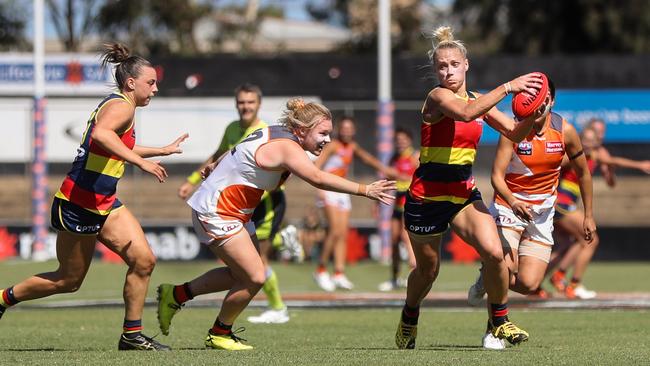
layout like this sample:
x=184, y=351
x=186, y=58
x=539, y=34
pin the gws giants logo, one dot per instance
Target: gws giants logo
x=525, y=148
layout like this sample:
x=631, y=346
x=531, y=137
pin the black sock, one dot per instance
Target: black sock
x=8, y=297
x=499, y=313
x=220, y=328
x=410, y=315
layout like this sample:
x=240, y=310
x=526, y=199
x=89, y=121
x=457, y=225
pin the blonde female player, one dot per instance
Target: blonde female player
x=443, y=192
x=223, y=205
x=86, y=208
x=525, y=178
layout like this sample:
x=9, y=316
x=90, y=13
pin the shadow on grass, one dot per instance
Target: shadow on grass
x=34, y=350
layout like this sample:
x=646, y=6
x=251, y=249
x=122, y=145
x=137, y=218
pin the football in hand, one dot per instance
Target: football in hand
x=524, y=104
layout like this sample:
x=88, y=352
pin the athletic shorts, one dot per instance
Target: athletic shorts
x=533, y=238
x=268, y=214
x=67, y=216
x=213, y=229
x=334, y=199
x=433, y=217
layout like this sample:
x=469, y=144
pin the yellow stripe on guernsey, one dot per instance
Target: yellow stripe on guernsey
x=104, y=165
x=452, y=199
x=447, y=155
x=570, y=186
x=402, y=185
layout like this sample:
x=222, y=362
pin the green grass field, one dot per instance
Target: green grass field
x=326, y=336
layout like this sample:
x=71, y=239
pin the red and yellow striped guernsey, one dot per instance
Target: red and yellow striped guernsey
x=92, y=181
x=447, y=153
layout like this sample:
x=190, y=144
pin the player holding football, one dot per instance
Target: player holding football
x=443, y=193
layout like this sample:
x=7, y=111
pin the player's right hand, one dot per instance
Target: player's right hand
x=522, y=210
x=378, y=190
x=530, y=83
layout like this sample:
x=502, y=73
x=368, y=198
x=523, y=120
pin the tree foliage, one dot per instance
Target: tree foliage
x=152, y=26
x=360, y=16
x=12, y=25
x=551, y=27
x=73, y=20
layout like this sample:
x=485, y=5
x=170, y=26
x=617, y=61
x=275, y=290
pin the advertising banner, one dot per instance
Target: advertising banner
x=65, y=75
x=626, y=113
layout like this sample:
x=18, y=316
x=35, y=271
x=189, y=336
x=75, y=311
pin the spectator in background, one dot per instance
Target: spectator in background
x=336, y=159
x=311, y=233
x=568, y=216
x=405, y=161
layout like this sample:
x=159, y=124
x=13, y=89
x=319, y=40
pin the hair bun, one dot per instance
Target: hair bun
x=295, y=104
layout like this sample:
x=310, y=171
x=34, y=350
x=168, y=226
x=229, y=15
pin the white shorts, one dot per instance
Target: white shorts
x=213, y=229
x=334, y=199
x=534, y=238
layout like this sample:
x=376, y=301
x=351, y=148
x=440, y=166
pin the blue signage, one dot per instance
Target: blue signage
x=626, y=113
x=69, y=72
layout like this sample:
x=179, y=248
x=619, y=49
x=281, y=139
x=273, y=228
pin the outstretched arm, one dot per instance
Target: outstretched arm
x=117, y=117
x=195, y=178
x=291, y=156
x=442, y=100
x=373, y=162
x=173, y=148
x=579, y=164
x=620, y=162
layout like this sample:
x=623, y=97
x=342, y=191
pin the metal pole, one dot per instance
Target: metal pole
x=385, y=112
x=39, y=161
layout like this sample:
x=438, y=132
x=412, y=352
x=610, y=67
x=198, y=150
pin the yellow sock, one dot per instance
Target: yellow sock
x=272, y=290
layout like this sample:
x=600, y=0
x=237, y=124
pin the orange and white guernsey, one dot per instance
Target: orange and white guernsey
x=339, y=162
x=534, y=169
x=235, y=186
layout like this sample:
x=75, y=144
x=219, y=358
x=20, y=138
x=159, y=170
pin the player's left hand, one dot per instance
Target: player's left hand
x=589, y=228
x=175, y=147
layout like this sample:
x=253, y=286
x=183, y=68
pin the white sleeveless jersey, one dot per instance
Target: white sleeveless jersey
x=235, y=186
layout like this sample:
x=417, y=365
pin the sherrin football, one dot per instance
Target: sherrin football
x=524, y=104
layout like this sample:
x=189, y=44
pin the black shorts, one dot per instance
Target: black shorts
x=433, y=217
x=268, y=215
x=67, y=216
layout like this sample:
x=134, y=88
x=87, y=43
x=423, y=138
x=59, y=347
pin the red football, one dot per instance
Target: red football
x=524, y=104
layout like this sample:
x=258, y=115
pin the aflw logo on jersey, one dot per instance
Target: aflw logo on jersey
x=554, y=147
x=525, y=148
